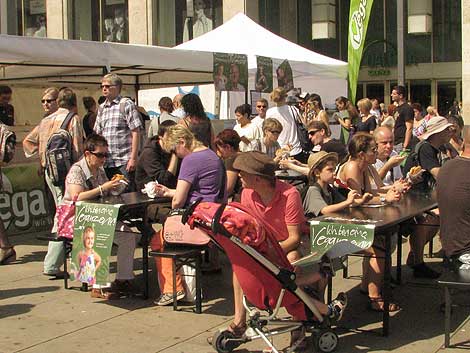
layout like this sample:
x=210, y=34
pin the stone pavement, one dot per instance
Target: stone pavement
x=38, y=315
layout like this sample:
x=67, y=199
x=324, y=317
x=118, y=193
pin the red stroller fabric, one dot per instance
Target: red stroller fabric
x=259, y=285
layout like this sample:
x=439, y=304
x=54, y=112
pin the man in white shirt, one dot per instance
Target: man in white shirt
x=388, y=161
x=261, y=108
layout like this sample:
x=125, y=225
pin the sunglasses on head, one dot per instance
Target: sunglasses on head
x=47, y=100
x=312, y=132
x=100, y=155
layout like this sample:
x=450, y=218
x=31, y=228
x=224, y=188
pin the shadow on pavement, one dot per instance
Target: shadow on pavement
x=14, y=309
x=18, y=292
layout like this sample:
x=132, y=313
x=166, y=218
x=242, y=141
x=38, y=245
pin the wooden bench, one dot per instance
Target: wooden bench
x=456, y=279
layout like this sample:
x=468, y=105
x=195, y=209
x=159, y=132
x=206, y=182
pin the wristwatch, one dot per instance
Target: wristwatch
x=382, y=199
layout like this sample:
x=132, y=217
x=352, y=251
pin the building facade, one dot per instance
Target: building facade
x=435, y=69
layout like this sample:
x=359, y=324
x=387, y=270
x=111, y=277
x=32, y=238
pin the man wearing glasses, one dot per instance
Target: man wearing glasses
x=261, y=108
x=57, y=105
x=119, y=122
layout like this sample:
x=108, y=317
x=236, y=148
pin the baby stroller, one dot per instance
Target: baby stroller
x=265, y=275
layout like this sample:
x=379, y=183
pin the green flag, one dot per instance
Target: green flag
x=359, y=14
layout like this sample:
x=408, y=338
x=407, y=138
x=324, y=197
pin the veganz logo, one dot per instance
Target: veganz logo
x=20, y=208
x=356, y=25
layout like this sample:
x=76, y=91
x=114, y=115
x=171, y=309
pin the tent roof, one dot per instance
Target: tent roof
x=241, y=35
x=78, y=61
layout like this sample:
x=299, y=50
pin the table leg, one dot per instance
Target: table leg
x=447, y=317
x=399, y=256
x=386, y=284
x=145, y=253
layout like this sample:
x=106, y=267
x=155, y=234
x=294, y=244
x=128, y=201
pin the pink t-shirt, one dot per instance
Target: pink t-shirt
x=284, y=209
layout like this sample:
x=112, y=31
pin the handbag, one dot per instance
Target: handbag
x=302, y=132
x=65, y=214
x=175, y=232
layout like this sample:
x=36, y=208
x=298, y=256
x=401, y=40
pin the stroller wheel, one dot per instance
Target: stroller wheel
x=225, y=341
x=325, y=341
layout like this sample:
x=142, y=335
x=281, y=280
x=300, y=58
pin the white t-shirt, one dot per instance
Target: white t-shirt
x=251, y=132
x=288, y=135
x=393, y=174
x=257, y=120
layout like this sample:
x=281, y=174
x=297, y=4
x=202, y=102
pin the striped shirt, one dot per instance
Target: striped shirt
x=115, y=121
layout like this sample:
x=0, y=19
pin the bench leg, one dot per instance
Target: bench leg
x=345, y=267
x=173, y=264
x=448, y=303
x=198, y=284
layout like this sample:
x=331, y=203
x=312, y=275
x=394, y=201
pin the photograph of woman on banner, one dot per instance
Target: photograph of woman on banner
x=284, y=76
x=220, y=80
x=261, y=84
x=87, y=258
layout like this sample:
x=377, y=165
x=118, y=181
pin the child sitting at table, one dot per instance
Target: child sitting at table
x=321, y=197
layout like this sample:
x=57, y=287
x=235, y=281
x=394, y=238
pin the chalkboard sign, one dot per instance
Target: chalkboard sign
x=337, y=239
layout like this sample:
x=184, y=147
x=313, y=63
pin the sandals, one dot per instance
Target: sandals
x=377, y=304
x=237, y=330
x=7, y=255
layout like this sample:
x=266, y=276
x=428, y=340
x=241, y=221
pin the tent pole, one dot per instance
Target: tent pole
x=136, y=89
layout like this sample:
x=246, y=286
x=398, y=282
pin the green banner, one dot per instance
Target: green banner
x=23, y=202
x=230, y=72
x=337, y=239
x=93, y=237
x=359, y=13
x=264, y=74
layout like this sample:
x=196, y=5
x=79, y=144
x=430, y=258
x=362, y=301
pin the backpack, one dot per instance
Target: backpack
x=412, y=160
x=59, y=153
x=7, y=144
x=302, y=132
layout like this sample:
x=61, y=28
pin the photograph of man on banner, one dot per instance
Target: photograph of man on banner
x=230, y=72
x=285, y=78
x=264, y=74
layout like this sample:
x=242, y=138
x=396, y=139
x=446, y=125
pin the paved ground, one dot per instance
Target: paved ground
x=38, y=315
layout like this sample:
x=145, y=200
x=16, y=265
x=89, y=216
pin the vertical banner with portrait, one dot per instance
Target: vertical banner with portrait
x=230, y=72
x=92, y=242
x=285, y=79
x=264, y=74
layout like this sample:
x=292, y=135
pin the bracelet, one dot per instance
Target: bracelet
x=101, y=190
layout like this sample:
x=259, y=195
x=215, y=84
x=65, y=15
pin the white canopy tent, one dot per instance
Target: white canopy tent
x=312, y=72
x=61, y=62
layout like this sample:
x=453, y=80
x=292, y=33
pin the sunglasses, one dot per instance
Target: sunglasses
x=47, y=100
x=99, y=155
x=275, y=132
x=313, y=132
x=107, y=86
x=261, y=106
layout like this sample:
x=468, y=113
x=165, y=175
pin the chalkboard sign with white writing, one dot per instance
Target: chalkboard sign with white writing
x=337, y=239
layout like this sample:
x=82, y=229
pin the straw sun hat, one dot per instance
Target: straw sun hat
x=316, y=158
x=435, y=125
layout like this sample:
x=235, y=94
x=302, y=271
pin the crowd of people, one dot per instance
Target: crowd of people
x=366, y=165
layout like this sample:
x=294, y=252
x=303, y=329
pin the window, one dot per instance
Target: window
x=103, y=20
x=447, y=30
x=420, y=92
x=24, y=17
x=375, y=90
x=446, y=94
x=173, y=26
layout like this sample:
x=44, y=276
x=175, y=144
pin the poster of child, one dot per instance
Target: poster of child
x=88, y=260
x=220, y=80
x=264, y=74
x=284, y=76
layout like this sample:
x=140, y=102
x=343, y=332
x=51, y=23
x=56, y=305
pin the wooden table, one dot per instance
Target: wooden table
x=134, y=210
x=387, y=219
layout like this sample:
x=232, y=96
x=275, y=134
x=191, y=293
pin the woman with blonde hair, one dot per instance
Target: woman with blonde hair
x=287, y=116
x=368, y=122
x=202, y=175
